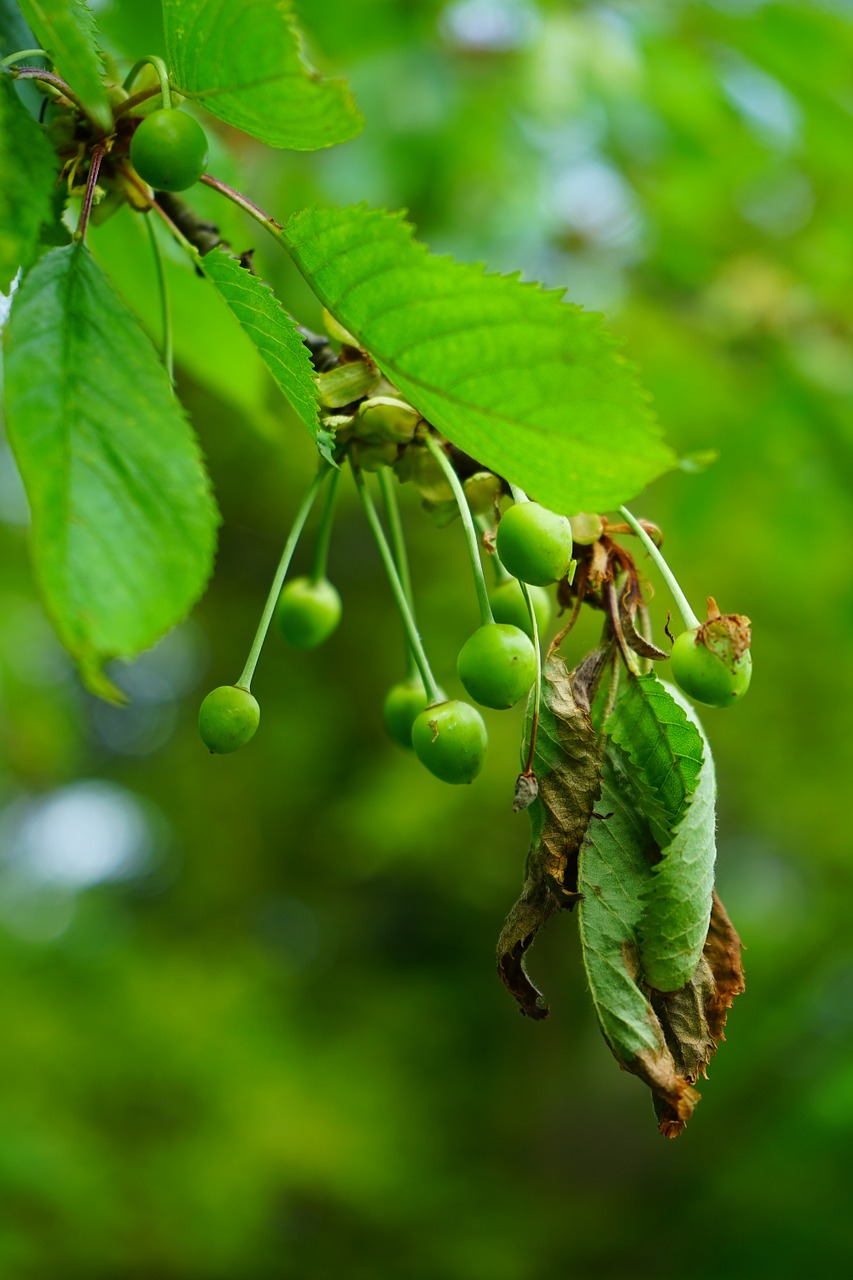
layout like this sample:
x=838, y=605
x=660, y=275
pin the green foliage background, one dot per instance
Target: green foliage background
x=271, y=1043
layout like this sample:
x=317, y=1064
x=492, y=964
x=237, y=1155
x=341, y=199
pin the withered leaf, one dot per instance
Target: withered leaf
x=566, y=763
x=666, y=1040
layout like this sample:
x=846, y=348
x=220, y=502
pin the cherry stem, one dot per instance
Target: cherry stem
x=162, y=76
x=473, y=542
x=518, y=495
x=136, y=100
x=165, y=308
x=245, y=681
x=94, y=169
x=537, y=688
x=25, y=53
x=398, y=545
x=406, y=612
x=48, y=78
x=687, y=614
x=275, y=228
x=324, y=533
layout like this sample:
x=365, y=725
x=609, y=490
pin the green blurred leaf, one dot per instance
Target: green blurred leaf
x=245, y=63
x=123, y=519
x=28, y=165
x=532, y=387
x=66, y=28
x=274, y=335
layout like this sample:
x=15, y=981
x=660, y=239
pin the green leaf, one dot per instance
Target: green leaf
x=671, y=771
x=677, y=901
x=566, y=765
x=245, y=63
x=123, y=520
x=614, y=868
x=274, y=335
x=531, y=386
x=28, y=165
x=66, y=28
x=664, y=748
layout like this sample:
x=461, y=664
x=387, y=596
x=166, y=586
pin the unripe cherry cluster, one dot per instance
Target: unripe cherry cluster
x=497, y=665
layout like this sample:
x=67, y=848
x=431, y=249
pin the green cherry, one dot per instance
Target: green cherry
x=497, y=665
x=534, y=544
x=403, y=704
x=508, y=605
x=450, y=739
x=228, y=719
x=708, y=667
x=308, y=612
x=169, y=150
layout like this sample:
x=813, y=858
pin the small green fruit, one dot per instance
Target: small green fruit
x=228, y=718
x=508, y=605
x=385, y=419
x=534, y=544
x=308, y=612
x=450, y=739
x=712, y=662
x=169, y=150
x=497, y=665
x=483, y=490
x=403, y=704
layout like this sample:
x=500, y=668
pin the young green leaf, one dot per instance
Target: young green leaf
x=28, y=165
x=531, y=386
x=566, y=765
x=245, y=63
x=273, y=333
x=66, y=28
x=670, y=768
x=123, y=520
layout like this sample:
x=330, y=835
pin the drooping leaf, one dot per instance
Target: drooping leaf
x=723, y=952
x=66, y=29
x=531, y=386
x=244, y=59
x=123, y=520
x=664, y=748
x=614, y=868
x=567, y=771
x=274, y=335
x=672, y=773
x=28, y=165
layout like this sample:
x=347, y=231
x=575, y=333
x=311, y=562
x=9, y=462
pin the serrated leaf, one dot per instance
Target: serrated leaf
x=66, y=28
x=614, y=867
x=243, y=58
x=274, y=335
x=566, y=765
x=531, y=386
x=664, y=748
x=669, y=765
x=677, y=901
x=123, y=521
x=28, y=165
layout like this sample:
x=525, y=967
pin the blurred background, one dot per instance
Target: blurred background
x=251, y=1023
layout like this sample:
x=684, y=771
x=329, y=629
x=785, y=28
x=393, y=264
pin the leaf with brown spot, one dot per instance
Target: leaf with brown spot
x=566, y=764
x=666, y=1040
x=722, y=951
